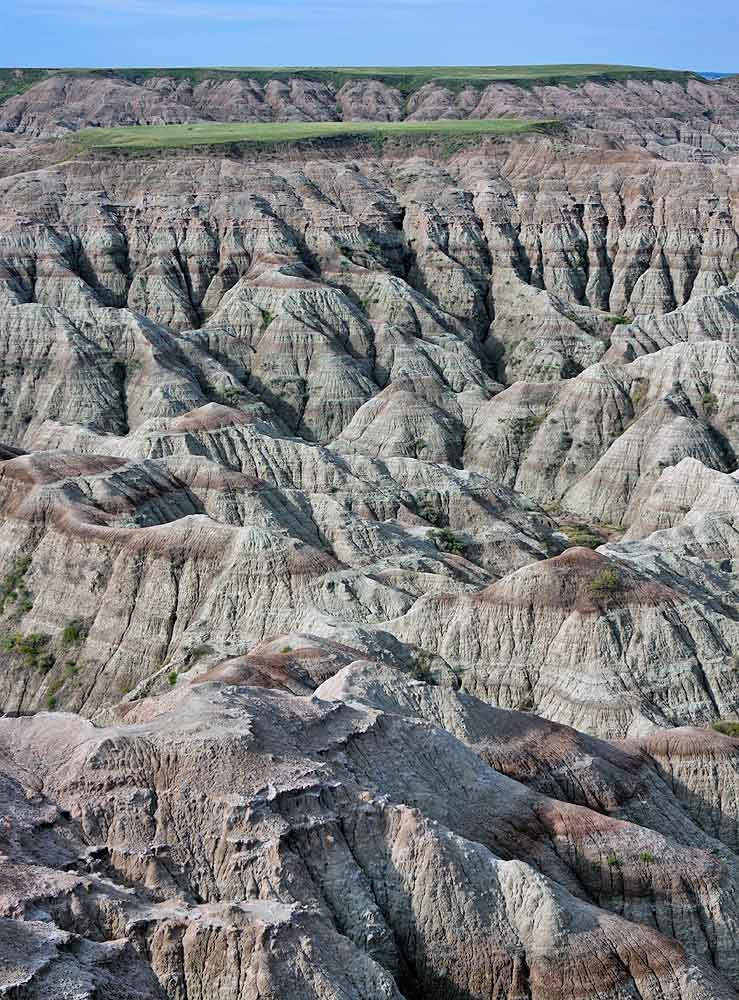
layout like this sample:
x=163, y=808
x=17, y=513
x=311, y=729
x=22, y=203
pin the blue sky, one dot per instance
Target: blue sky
x=672, y=33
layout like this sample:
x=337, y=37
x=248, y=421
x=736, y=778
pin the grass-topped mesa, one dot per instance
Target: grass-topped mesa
x=406, y=79
x=147, y=137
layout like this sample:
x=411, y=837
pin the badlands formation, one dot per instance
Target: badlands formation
x=370, y=547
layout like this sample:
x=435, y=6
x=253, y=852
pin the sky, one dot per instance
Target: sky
x=664, y=33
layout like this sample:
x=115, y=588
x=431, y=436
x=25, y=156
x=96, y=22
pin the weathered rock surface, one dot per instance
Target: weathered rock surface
x=335, y=488
x=341, y=867
x=694, y=119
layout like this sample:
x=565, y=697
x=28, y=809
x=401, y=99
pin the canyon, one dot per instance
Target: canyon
x=369, y=543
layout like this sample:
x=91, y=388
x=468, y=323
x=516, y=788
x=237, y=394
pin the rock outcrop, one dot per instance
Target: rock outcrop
x=366, y=853
x=369, y=549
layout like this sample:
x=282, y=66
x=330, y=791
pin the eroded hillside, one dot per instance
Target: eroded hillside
x=369, y=523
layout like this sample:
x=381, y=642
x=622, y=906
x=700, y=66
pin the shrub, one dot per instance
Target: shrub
x=619, y=320
x=647, y=857
x=428, y=512
x=74, y=631
x=606, y=582
x=30, y=647
x=447, y=541
x=639, y=392
x=50, y=701
x=44, y=663
x=580, y=534
x=231, y=393
x=420, y=666
x=286, y=649
x=525, y=427
x=198, y=651
x=710, y=404
x=172, y=678
x=727, y=727
x=613, y=860
x=12, y=587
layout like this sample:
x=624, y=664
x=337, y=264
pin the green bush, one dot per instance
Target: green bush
x=607, y=581
x=31, y=647
x=420, y=666
x=447, y=541
x=172, y=678
x=13, y=588
x=525, y=427
x=613, y=860
x=647, y=857
x=74, y=631
x=580, y=534
x=232, y=393
x=428, y=512
x=710, y=404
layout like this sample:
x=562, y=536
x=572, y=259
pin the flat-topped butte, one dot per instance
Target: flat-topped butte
x=407, y=79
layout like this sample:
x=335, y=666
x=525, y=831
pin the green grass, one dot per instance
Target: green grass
x=407, y=79
x=15, y=81
x=727, y=727
x=141, y=137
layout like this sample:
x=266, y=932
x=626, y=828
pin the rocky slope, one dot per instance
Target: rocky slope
x=369, y=533
x=683, y=119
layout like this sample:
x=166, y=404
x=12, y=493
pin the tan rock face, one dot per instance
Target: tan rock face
x=314, y=833
x=303, y=463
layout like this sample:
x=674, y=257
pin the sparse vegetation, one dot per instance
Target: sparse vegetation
x=197, y=652
x=639, y=392
x=13, y=589
x=727, y=727
x=447, y=541
x=619, y=320
x=31, y=647
x=172, y=678
x=581, y=534
x=647, y=857
x=613, y=860
x=420, y=666
x=428, y=511
x=607, y=581
x=526, y=427
x=74, y=632
x=286, y=649
x=231, y=394
x=710, y=404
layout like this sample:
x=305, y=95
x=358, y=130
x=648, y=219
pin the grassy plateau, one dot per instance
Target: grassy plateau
x=407, y=79
x=143, y=137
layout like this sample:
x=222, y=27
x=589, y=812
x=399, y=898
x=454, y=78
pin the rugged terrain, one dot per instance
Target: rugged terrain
x=369, y=528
